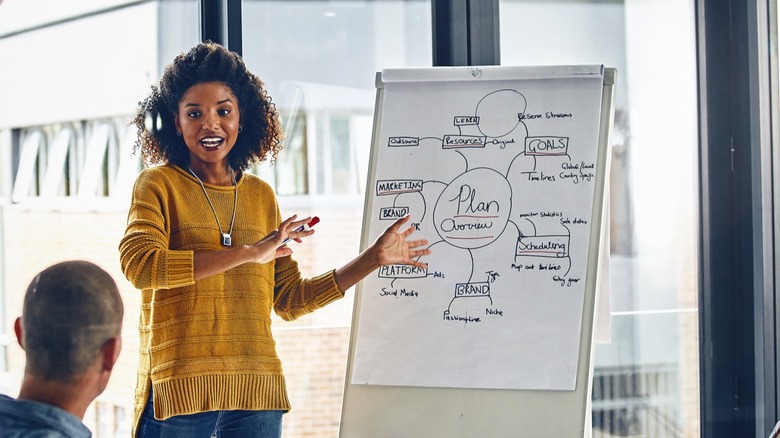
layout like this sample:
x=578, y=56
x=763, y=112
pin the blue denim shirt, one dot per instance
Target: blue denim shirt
x=29, y=419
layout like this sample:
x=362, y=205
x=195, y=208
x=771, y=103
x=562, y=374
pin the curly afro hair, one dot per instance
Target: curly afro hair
x=261, y=135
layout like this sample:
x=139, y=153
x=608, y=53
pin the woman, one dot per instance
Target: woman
x=205, y=244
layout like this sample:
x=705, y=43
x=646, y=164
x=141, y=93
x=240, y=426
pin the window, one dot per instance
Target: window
x=645, y=380
x=80, y=160
x=66, y=171
x=321, y=77
x=318, y=60
x=111, y=420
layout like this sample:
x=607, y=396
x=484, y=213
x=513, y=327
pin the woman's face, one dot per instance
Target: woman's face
x=209, y=120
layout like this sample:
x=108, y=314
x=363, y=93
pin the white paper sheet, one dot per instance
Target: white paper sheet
x=499, y=176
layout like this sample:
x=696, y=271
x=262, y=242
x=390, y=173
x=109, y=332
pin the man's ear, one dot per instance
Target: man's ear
x=111, y=349
x=19, y=331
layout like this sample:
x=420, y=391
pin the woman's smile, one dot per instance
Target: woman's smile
x=211, y=143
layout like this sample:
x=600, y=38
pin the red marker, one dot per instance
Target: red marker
x=304, y=227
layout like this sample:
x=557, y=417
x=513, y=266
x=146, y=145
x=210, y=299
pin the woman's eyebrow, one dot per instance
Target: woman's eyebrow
x=218, y=103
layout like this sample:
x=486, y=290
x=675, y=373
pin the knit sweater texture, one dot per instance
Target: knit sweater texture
x=207, y=345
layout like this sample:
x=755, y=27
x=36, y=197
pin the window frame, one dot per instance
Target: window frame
x=738, y=285
x=738, y=291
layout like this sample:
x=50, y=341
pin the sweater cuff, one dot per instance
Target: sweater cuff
x=325, y=288
x=181, y=268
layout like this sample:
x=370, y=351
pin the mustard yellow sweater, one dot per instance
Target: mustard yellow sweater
x=207, y=345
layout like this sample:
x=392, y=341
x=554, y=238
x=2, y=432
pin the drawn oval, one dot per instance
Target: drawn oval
x=498, y=112
x=473, y=210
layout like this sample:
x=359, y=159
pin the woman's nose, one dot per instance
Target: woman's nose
x=210, y=122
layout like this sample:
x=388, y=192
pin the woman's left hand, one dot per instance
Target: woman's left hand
x=391, y=247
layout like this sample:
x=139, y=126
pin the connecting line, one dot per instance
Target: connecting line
x=471, y=275
x=509, y=169
x=568, y=246
x=533, y=225
x=464, y=159
x=519, y=233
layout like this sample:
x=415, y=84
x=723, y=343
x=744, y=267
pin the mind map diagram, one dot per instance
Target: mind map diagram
x=503, y=213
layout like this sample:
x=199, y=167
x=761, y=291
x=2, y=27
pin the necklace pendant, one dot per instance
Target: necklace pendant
x=226, y=240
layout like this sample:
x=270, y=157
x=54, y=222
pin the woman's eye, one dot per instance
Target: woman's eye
x=193, y=114
x=224, y=112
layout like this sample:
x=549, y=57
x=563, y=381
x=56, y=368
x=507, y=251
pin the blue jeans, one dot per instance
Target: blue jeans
x=219, y=424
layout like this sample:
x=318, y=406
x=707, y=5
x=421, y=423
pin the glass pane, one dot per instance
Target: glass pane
x=320, y=73
x=646, y=379
x=319, y=61
x=79, y=69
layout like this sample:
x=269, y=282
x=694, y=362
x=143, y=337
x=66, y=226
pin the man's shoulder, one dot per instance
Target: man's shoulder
x=25, y=418
x=8, y=407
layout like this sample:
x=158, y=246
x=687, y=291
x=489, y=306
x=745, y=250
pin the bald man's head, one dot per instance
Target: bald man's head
x=71, y=310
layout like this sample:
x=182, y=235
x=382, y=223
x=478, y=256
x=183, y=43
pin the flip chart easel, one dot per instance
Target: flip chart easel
x=503, y=170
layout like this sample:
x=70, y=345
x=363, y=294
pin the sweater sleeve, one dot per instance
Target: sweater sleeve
x=295, y=296
x=144, y=255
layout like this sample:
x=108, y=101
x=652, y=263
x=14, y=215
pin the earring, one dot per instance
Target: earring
x=178, y=133
x=240, y=128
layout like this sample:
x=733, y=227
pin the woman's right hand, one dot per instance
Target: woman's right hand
x=270, y=247
x=273, y=245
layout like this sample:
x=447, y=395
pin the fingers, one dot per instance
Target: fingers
x=416, y=254
x=287, y=230
x=293, y=222
x=270, y=236
x=283, y=251
x=273, y=245
x=407, y=232
x=278, y=235
x=418, y=243
x=413, y=258
x=298, y=223
x=397, y=224
x=417, y=264
x=292, y=229
x=419, y=252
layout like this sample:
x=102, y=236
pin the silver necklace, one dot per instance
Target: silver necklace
x=226, y=239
